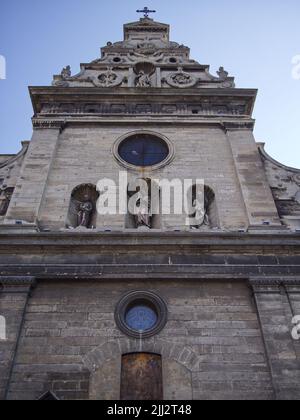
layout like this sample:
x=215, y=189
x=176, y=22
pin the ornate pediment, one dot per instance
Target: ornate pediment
x=145, y=40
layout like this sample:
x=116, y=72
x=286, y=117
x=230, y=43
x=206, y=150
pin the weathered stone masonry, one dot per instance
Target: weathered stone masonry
x=231, y=286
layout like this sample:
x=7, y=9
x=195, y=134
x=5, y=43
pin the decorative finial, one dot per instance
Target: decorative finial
x=146, y=12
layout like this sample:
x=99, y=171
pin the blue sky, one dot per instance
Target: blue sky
x=255, y=41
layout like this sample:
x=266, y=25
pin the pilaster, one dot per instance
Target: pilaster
x=273, y=301
x=14, y=296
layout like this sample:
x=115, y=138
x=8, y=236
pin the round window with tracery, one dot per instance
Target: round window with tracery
x=141, y=314
x=141, y=317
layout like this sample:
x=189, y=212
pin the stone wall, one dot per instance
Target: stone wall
x=212, y=341
x=14, y=295
x=84, y=155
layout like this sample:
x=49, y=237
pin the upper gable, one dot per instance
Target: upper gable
x=146, y=48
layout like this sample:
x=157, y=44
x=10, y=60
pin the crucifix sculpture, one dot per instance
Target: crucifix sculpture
x=146, y=12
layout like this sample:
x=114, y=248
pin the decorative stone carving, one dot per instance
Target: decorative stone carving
x=136, y=56
x=143, y=216
x=143, y=80
x=66, y=72
x=48, y=124
x=222, y=73
x=82, y=210
x=181, y=79
x=60, y=83
x=144, y=70
x=201, y=107
x=85, y=210
x=5, y=197
x=203, y=214
x=297, y=179
x=108, y=79
x=146, y=48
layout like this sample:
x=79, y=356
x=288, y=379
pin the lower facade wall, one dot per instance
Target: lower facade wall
x=212, y=345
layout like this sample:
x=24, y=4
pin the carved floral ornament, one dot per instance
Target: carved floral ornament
x=108, y=79
x=181, y=79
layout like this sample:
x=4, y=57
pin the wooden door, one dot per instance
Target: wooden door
x=141, y=377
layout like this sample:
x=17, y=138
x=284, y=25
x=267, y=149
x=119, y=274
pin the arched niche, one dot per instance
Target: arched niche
x=151, y=221
x=210, y=217
x=82, y=209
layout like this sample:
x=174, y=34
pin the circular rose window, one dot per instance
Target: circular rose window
x=141, y=314
x=143, y=150
x=141, y=317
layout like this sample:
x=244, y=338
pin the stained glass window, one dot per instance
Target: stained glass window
x=141, y=318
x=143, y=150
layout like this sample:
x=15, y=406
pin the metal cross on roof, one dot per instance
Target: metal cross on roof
x=146, y=12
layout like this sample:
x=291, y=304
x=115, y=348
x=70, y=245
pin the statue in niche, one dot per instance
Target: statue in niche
x=201, y=214
x=5, y=198
x=143, y=80
x=84, y=212
x=144, y=218
x=66, y=72
x=141, y=209
x=202, y=208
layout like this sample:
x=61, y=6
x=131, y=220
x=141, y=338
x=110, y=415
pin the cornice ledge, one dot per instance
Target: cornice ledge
x=273, y=282
x=42, y=124
x=17, y=284
x=238, y=125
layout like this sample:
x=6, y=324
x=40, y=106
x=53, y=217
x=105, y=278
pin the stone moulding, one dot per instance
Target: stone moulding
x=51, y=96
x=17, y=284
x=48, y=124
x=274, y=284
x=238, y=125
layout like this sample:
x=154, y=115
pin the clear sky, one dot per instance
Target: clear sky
x=255, y=41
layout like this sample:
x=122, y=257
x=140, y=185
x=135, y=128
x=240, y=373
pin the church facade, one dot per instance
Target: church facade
x=118, y=306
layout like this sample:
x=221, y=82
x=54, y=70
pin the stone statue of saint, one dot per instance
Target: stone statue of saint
x=200, y=215
x=222, y=73
x=66, y=72
x=144, y=218
x=143, y=80
x=5, y=198
x=85, y=212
